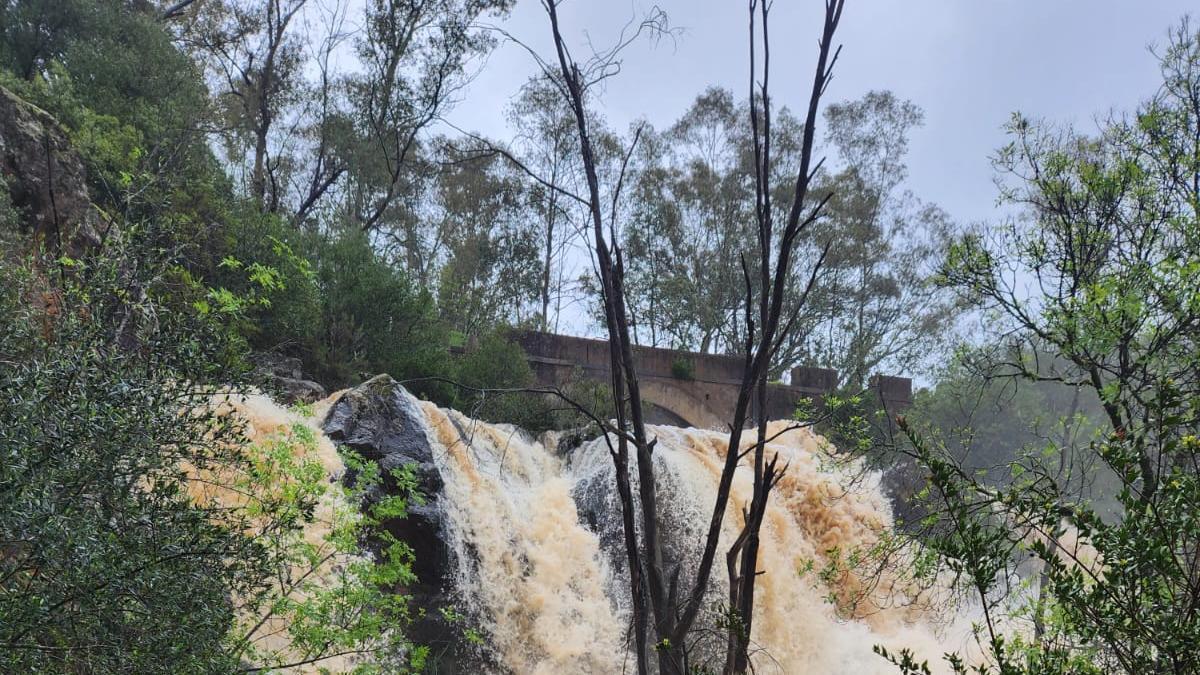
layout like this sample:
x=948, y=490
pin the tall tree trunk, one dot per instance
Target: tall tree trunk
x=626, y=393
x=547, y=262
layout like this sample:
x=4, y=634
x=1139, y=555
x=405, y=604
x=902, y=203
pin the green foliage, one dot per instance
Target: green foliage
x=592, y=395
x=689, y=206
x=492, y=269
x=1112, y=246
x=139, y=128
x=142, y=532
x=498, y=363
x=10, y=216
x=289, y=316
x=331, y=599
x=873, y=305
x=855, y=423
x=683, y=369
x=110, y=561
x=335, y=302
x=107, y=566
x=453, y=617
x=991, y=422
x=374, y=319
x=499, y=386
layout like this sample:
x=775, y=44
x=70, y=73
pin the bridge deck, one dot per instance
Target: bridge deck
x=697, y=389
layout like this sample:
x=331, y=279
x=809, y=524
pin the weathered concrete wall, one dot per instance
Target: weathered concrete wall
x=687, y=388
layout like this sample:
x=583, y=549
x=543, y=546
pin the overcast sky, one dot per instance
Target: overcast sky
x=968, y=63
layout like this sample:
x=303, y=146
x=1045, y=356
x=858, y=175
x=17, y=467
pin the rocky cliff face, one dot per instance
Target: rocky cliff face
x=46, y=179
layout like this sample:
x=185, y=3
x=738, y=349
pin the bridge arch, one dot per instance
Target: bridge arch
x=681, y=407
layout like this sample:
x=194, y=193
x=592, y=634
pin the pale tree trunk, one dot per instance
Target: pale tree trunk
x=548, y=261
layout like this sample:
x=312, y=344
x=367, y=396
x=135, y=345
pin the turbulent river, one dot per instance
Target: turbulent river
x=536, y=559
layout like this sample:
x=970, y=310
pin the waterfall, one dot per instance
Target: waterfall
x=536, y=536
x=267, y=421
x=537, y=566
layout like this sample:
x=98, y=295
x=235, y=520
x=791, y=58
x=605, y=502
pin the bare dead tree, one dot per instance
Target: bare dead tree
x=775, y=268
x=645, y=578
x=658, y=602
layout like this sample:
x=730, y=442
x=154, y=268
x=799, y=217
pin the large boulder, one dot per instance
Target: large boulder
x=380, y=421
x=46, y=179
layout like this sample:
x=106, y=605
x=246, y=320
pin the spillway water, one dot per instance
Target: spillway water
x=538, y=569
x=537, y=536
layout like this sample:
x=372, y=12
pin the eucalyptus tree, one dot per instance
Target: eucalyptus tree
x=324, y=108
x=546, y=143
x=255, y=57
x=876, y=305
x=873, y=305
x=690, y=202
x=490, y=273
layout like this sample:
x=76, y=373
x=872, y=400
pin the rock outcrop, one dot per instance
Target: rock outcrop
x=46, y=179
x=379, y=420
x=283, y=377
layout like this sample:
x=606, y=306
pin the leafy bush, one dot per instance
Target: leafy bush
x=107, y=566
x=10, y=216
x=498, y=363
x=332, y=605
x=290, y=319
x=142, y=532
x=138, y=129
x=1115, y=245
x=498, y=385
x=375, y=320
x=683, y=369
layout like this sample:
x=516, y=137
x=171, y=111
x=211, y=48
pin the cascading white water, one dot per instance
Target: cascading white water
x=267, y=422
x=538, y=564
x=526, y=565
x=536, y=539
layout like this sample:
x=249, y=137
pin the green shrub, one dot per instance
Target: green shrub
x=683, y=369
x=498, y=363
x=289, y=321
x=499, y=366
x=107, y=565
x=375, y=320
x=139, y=127
x=109, y=371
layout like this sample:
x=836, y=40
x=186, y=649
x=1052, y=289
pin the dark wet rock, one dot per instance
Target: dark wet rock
x=294, y=390
x=682, y=528
x=570, y=440
x=380, y=421
x=277, y=365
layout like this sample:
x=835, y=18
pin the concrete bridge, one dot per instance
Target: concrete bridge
x=689, y=389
